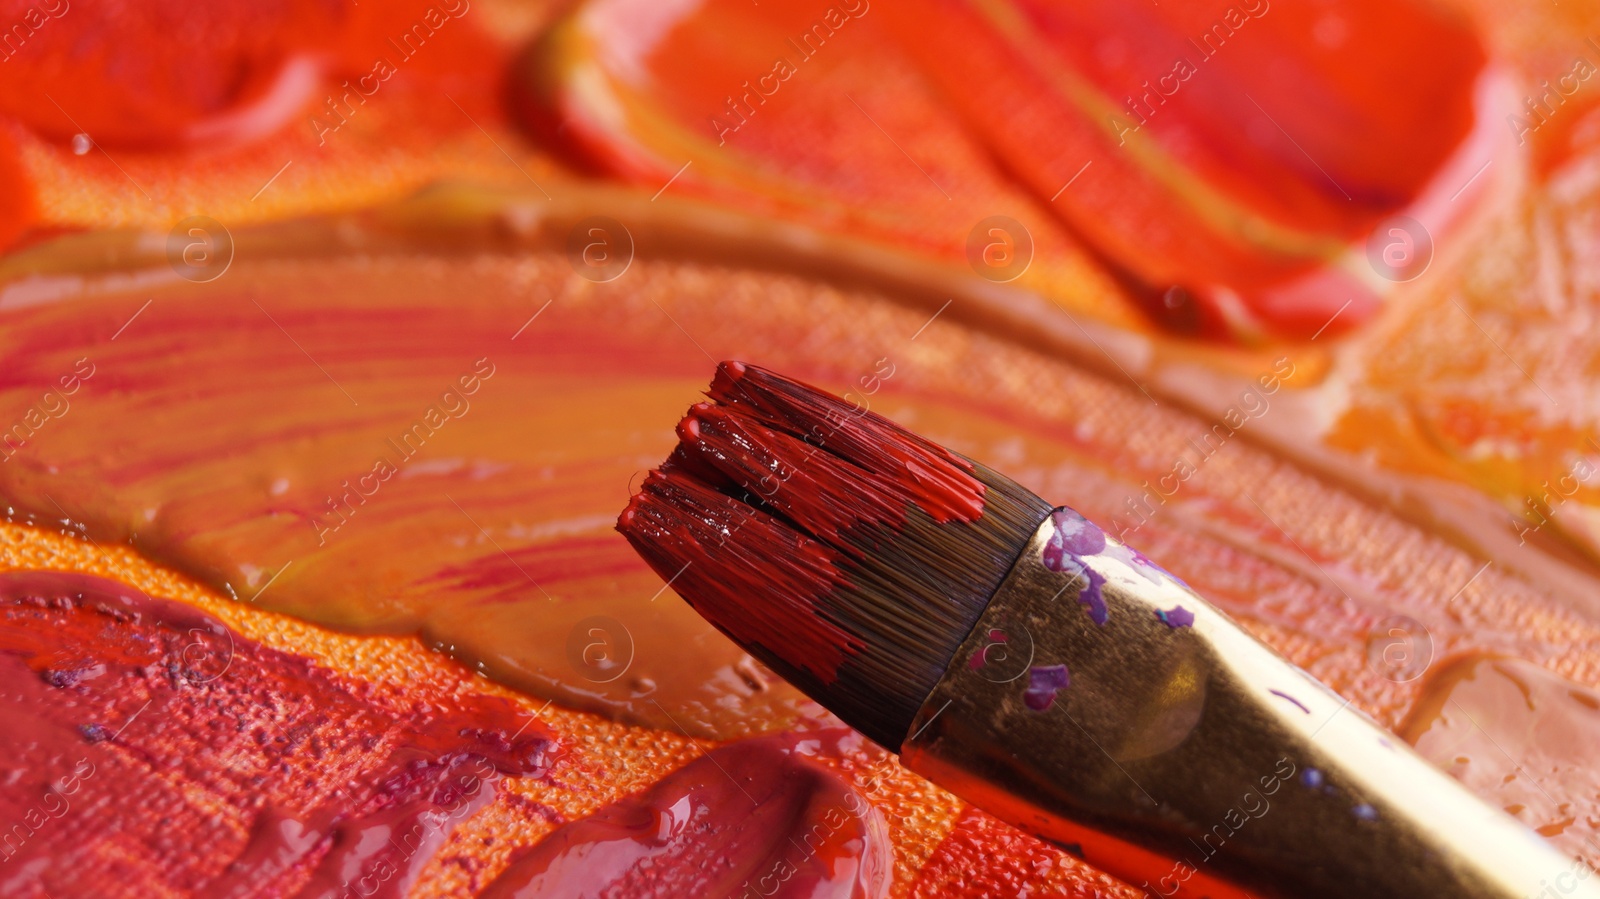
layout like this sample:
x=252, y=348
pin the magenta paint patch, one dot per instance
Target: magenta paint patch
x=1043, y=682
x=981, y=657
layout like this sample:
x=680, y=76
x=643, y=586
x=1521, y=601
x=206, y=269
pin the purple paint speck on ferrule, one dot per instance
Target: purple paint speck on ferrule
x=1074, y=538
x=1076, y=534
x=1176, y=617
x=1297, y=703
x=1043, y=682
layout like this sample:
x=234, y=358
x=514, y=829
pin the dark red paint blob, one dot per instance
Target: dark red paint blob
x=234, y=769
x=751, y=818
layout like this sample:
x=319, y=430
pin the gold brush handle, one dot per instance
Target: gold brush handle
x=1189, y=759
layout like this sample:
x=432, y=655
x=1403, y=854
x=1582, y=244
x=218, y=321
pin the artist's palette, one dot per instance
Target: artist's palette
x=323, y=500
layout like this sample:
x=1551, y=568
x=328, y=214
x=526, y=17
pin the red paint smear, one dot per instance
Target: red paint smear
x=1262, y=160
x=806, y=154
x=158, y=74
x=237, y=769
x=1319, y=120
x=261, y=461
x=503, y=577
x=18, y=205
x=935, y=479
x=170, y=74
x=751, y=818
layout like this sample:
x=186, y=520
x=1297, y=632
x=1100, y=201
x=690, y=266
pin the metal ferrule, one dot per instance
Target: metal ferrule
x=1191, y=760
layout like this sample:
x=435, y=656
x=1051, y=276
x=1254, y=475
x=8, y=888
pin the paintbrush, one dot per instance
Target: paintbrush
x=1033, y=665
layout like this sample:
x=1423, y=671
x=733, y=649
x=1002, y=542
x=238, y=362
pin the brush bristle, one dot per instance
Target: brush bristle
x=846, y=553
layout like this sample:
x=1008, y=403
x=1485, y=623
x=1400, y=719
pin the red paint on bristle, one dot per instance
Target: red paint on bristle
x=722, y=552
x=936, y=480
x=848, y=554
x=718, y=553
x=823, y=494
